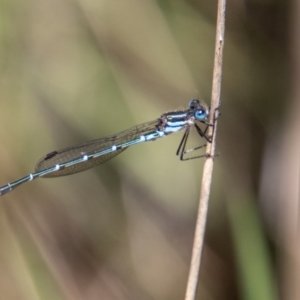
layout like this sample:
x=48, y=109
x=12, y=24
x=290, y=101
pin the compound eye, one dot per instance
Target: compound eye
x=194, y=103
x=201, y=114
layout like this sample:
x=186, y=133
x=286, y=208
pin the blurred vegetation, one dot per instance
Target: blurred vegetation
x=76, y=70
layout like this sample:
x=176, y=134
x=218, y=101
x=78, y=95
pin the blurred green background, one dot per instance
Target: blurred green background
x=75, y=70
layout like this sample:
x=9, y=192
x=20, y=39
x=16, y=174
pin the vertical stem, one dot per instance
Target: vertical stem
x=210, y=151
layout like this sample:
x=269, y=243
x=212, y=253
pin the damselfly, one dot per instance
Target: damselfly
x=82, y=157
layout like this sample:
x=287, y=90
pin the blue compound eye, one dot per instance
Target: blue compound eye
x=201, y=114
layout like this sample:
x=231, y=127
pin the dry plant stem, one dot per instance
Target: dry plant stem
x=210, y=151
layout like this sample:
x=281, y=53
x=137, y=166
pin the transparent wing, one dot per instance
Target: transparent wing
x=76, y=152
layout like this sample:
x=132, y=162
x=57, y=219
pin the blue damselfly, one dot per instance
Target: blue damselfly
x=82, y=157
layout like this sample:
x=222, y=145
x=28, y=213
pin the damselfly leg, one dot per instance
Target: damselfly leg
x=182, y=152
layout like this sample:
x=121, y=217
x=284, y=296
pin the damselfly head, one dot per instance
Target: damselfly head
x=200, y=109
